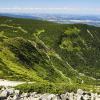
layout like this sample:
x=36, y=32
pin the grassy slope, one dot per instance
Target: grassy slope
x=31, y=50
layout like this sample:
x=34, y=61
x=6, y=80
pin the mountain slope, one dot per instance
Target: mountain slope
x=40, y=50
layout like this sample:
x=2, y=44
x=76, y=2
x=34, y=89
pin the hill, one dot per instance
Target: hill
x=36, y=50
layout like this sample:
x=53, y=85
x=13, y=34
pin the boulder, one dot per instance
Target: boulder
x=79, y=97
x=9, y=98
x=10, y=91
x=86, y=97
x=64, y=96
x=97, y=97
x=44, y=96
x=4, y=93
x=80, y=91
x=58, y=97
x=48, y=97
x=16, y=97
x=16, y=91
x=24, y=95
x=71, y=96
x=33, y=94
x=92, y=96
x=52, y=97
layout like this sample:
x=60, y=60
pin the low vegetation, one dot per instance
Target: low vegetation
x=56, y=88
x=49, y=53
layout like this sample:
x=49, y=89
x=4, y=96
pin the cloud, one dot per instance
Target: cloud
x=63, y=9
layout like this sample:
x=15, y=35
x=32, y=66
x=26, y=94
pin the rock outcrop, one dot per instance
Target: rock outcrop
x=13, y=94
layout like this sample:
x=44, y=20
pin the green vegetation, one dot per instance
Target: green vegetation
x=42, y=51
x=72, y=31
x=71, y=39
x=57, y=88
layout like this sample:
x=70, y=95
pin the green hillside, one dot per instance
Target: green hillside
x=35, y=50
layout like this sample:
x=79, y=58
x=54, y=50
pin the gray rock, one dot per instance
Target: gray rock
x=52, y=97
x=32, y=98
x=24, y=94
x=4, y=93
x=37, y=95
x=9, y=98
x=79, y=97
x=10, y=91
x=12, y=94
x=16, y=91
x=97, y=97
x=16, y=97
x=80, y=91
x=44, y=96
x=33, y=94
x=92, y=96
x=48, y=97
x=71, y=96
x=65, y=96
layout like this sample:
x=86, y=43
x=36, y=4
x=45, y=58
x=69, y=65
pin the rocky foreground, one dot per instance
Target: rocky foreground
x=13, y=94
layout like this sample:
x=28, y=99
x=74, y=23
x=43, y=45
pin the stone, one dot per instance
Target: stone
x=32, y=98
x=71, y=96
x=37, y=95
x=9, y=98
x=48, y=97
x=79, y=97
x=10, y=91
x=4, y=93
x=44, y=96
x=65, y=96
x=58, y=97
x=80, y=91
x=16, y=97
x=86, y=97
x=92, y=96
x=12, y=94
x=52, y=97
x=16, y=91
x=97, y=97
x=24, y=95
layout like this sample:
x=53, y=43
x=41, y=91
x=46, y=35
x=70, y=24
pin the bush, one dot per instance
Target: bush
x=57, y=88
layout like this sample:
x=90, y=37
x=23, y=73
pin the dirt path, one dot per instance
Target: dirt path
x=10, y=83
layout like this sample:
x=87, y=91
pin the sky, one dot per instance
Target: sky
x=51, y=6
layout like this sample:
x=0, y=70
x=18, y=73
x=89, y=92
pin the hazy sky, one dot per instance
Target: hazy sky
x=51, y=6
